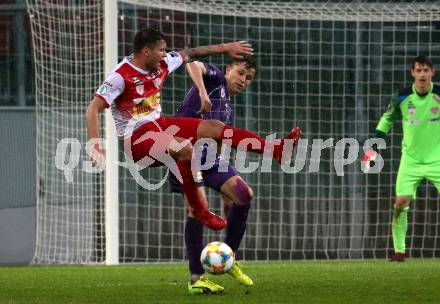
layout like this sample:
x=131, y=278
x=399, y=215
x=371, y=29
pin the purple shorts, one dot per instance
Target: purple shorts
x=212, y=178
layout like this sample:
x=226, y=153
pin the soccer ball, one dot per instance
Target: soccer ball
x=217, y=258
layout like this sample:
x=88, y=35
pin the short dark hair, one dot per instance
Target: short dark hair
x=248, y=61
x=146, y=37
x=423, y=60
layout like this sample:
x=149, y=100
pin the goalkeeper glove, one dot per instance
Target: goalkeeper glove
x=368, y=160
x=370, y=156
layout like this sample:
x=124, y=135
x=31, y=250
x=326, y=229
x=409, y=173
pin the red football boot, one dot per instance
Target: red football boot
x=278, y=149
x=398, y=257
x=209, y=219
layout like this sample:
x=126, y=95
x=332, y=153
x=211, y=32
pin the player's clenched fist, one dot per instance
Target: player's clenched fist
x=97, y=156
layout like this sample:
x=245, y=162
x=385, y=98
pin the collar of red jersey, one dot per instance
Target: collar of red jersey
x=140, y=70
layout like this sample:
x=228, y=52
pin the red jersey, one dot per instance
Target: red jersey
x=133, y=94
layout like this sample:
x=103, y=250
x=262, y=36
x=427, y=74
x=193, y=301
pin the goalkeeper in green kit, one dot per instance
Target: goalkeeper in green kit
x=419, y=108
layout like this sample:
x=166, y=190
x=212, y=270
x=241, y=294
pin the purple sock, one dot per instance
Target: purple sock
x=236, y=225
x=194, y=244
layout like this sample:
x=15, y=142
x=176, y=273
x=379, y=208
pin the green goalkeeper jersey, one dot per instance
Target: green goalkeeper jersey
x=420, y=122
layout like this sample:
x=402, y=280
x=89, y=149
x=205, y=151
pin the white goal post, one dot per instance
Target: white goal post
x=111, y=148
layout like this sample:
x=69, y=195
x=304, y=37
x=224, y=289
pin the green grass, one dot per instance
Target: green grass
x=415, y=281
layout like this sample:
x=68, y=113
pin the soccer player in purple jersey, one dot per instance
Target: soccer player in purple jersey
x=209, y=98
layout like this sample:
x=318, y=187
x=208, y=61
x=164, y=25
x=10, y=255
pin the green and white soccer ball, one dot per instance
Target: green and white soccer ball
x=217, y=258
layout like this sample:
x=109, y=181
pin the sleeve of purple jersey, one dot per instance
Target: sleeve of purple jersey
x=212, y=72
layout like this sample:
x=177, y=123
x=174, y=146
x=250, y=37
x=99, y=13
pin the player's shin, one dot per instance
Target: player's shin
x=234, y=136
x=236, y=225
x=238, y=215
x=399, y=228
x=194, y=245
x=195, y=201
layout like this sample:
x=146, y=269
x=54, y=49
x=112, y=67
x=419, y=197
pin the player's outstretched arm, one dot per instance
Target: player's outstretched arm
x=389, y=117
x=235, y=50
x=196, y=71
x=96, y=106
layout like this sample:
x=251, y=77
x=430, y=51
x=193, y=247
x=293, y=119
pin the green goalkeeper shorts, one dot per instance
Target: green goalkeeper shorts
x=410, y=175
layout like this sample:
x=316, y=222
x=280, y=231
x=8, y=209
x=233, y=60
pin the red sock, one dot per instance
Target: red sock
x=235, y=135
x=190, y=188
x=196, y=203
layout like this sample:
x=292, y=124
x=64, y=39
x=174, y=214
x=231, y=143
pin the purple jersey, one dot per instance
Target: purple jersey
x=215, y=83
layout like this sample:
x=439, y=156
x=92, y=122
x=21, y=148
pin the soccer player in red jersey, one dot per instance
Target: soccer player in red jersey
x=132, y=92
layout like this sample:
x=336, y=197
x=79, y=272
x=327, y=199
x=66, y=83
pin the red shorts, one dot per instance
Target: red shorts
x=156, y=133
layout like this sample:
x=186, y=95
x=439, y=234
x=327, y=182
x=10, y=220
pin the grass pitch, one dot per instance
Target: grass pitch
x=415, y=281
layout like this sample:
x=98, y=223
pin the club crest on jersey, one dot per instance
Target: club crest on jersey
x=437, y=99
x=411, y=109
x=157, y=82
x=139, y=85
x=222, y=92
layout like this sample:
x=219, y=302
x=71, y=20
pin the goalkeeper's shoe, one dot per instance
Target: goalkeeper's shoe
x=237, y=274
x=278, y=149
x=203, y=285
x=398, y=257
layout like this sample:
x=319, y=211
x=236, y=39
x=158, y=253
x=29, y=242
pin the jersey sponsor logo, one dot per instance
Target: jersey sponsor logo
x=139, y=85
x=174, y=54
x=434, y=119
x=414, y=122
x=145, y=106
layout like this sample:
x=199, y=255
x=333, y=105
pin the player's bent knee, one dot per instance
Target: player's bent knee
x=214, y=123
x=211, y=128
x=250, y=193
x=402, y=201
x=243, y=192
x=185, y=153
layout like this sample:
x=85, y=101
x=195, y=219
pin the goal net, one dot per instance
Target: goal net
x=328, y=67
